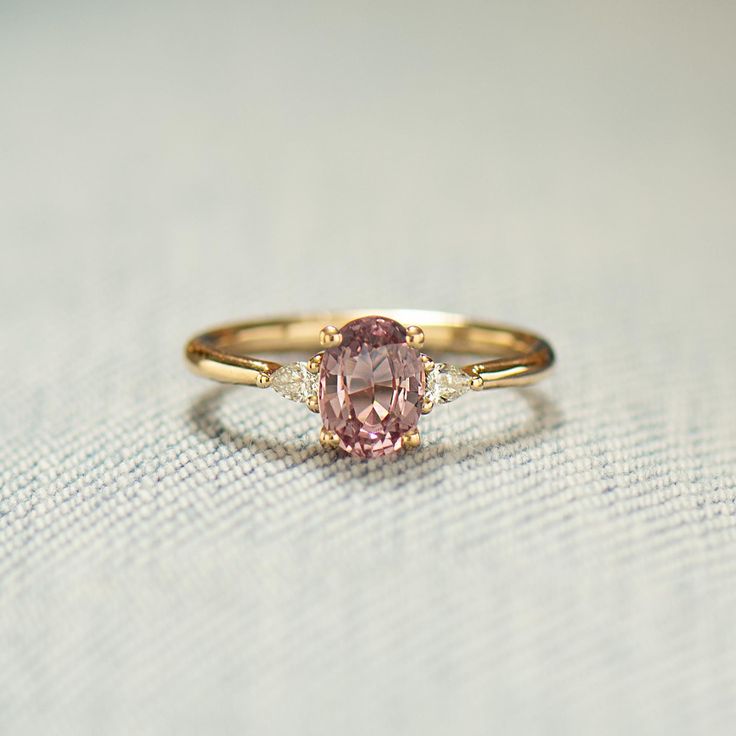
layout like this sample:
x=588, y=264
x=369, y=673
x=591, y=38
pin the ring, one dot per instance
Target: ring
x=371, y=381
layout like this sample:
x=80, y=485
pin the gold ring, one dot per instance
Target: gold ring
x=369, y=377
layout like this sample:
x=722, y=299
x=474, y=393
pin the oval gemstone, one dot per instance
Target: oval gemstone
x=371, y=387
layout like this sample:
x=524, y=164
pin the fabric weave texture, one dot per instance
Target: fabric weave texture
x=180, y=557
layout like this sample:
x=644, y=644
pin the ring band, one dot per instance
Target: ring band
x=370, y=379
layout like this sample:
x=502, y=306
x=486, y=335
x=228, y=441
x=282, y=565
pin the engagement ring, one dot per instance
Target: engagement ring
x=374, y=376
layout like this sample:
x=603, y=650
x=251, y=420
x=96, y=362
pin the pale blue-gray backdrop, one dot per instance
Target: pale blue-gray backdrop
x=175, y=559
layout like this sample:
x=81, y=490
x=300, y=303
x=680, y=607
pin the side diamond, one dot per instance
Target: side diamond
x=294, y=382
x=446, y=383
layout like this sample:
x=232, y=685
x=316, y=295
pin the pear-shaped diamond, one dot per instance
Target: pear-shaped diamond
x=295, y=382
x=446, y=383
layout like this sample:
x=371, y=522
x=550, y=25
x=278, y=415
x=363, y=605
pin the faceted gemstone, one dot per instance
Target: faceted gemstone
x=294, y=382
x=371, y=387
x=445, y=383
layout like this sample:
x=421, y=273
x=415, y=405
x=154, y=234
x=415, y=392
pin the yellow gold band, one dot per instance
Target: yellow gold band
x=514, y=357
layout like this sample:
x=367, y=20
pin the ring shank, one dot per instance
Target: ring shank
x=516, y=357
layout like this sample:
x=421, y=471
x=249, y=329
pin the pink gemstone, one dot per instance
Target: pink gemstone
x=371, y=387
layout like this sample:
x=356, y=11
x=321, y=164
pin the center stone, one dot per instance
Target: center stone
x=371, y=387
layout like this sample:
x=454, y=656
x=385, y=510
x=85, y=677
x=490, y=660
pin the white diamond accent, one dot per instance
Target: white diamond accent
x=294, y=382
x=446, y=383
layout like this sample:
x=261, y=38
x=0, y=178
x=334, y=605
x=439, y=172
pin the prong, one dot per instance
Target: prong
x=428, y=363
x=313, y=403
x=328, y=439
x=314, y=363
x=411, y=439
x=329, y=337
x=476, y=383
x=263, y=380
x=414, y=336
x=427, y=406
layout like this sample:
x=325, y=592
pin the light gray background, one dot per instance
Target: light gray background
x=174, y=560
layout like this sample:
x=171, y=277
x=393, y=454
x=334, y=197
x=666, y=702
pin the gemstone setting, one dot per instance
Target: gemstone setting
x=295, y=382
x=371, y=387
x=446, y=383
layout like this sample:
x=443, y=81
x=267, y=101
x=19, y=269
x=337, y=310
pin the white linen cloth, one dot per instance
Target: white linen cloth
x=175, y=558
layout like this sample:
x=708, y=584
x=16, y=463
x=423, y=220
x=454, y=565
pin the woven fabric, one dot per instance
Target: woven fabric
x=176, y=557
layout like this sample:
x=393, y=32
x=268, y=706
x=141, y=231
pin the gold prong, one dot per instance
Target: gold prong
x=411, y=439
x=328, y=438
x=414, y=336
x=427, y=406
x=263, y=380
x=314, y=363
x=313, y=403
x=476, y=383
x=329, y=337
x=428, y=363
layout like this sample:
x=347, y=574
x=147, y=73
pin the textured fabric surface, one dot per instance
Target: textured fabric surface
x=179, y=558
